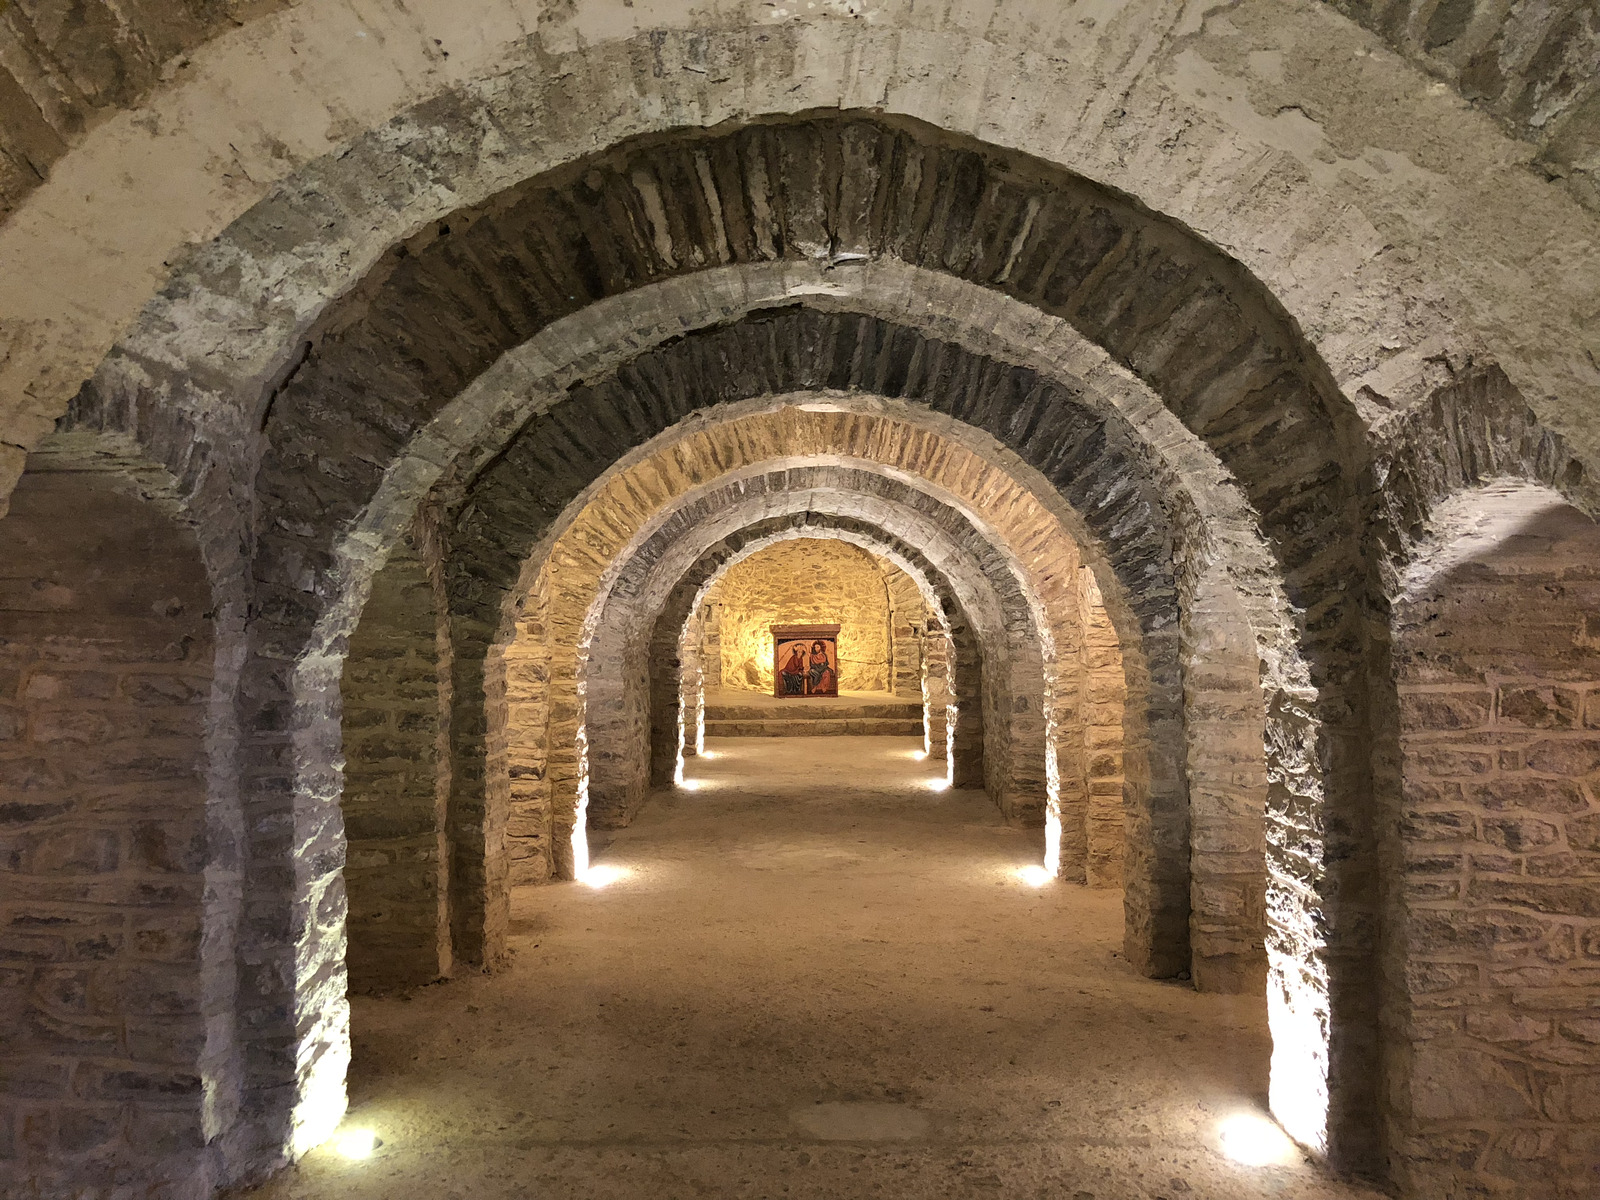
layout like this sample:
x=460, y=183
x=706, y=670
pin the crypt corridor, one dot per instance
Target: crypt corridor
x=831, y=985
x=1171, y=427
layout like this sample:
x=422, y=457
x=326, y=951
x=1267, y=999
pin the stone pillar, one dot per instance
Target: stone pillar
x=396, y=706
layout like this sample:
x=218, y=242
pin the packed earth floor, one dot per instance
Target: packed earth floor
x=810, y=972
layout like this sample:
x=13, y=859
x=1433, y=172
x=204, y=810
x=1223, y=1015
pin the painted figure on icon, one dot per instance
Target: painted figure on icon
x=823, y=679
x=794, y=672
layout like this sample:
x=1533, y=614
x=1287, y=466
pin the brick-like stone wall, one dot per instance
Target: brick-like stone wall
x=530, y=828
x=808, y=581
x=1494, y=1046
x=106, y=662
x=1103, y=696
x=1225, y=720
x=396, y=693
x=908, y=625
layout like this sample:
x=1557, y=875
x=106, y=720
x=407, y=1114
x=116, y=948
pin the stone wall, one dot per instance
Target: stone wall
x=908, y=625
x=1103, y=696
x=106, y=659
x=1089, y=691
x=530, y=828
x=810, y=581
x=396, y=692
x=1494, y=1042
x=1225, y=723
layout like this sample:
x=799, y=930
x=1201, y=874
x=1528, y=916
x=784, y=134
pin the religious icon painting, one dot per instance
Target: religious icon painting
x=805, y=660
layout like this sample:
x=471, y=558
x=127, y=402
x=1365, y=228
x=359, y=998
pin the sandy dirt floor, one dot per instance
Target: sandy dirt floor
x=811, y=975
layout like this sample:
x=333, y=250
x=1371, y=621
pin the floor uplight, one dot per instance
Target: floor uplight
x=938, y=785
x=356, y=1143
x=602, y=876
x=1034, y=876
x=1256, y=1141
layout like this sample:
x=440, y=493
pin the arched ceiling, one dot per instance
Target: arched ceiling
x=1404, y=245
x=1536, y=67
x=1532, y=66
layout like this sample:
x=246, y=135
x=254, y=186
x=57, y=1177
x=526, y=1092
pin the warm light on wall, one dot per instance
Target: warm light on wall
x=1298, y=1019
x=324, y=1101
x=1052, y=842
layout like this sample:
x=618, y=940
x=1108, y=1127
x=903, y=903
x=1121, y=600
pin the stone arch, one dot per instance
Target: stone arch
x=1494, y=901
x=812, y=491
x=598, y=547
x=117, y=961
x=1297, y=519
x=665, y=690
x=340, y=225
x=1079, y=449
x=1245, y=226
x=671, y=685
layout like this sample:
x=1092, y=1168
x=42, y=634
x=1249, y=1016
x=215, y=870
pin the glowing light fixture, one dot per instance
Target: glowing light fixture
x=690, y=785
x=1256, y=1141
x=938, y=784
x=1034, y=876
x=322, y=1106
x=1052, y=842
x=1297, y=1018
x=357, y=1143
x=603, y=876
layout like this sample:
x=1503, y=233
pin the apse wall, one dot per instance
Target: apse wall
x=808, y=581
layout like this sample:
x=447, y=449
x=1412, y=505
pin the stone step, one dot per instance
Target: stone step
x=814, y=727
x=815, y=710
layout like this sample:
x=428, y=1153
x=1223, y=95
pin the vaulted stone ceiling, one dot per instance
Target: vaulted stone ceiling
x=65, y=67
x=1535, y=66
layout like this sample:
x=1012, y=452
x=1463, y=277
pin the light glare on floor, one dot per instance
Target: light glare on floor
x=1033, y=876
x=1255, y=1141
x=599, y=877
x=356, y=1143
x=938, y=785
x=689, y=785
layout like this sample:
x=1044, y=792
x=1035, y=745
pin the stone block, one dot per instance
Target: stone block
x=1463, y=709
x=1540, y=707
x=1462, y=1083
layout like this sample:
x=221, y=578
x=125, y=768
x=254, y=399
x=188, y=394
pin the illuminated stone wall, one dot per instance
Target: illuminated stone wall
x=810, y=581
x=1090, y=695
x=1496, y=1046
